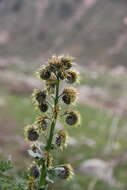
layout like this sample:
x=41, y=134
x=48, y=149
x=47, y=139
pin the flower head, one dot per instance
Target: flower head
x=60, y=63
x=31, y=133
x=34, y=171
x=60, y=140
x=72, y=76
x=66, y=171
x=54, y=63
x=69, y=95
x=44, y=73
x=43, y=107
x=67, y=62
x=41, y=123
x=39, y=96
x=72, y=118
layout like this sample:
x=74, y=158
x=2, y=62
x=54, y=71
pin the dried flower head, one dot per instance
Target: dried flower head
x=72, y=118
x=72, y=76
x=41, y=123
x=31, y=133
x=43, y=107
x=44, y=73
x=54, y=63
x=67, y=172
x=38, y=96
x=34, y=171
x=67, y=62
x=60, y=140
x=60, y=63
x=69, y=95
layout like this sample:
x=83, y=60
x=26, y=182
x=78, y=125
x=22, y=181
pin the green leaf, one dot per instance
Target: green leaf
x=5, y=165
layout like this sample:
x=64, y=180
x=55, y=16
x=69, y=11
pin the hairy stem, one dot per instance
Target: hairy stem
x=51, y=134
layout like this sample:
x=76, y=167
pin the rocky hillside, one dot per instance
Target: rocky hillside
x=94, y=30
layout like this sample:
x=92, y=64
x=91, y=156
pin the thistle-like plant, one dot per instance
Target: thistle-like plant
x=54, y=103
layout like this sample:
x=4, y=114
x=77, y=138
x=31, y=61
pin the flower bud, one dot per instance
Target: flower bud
x=66, y=172
x=69, y=95
x=31, y=133
x=39, y=96
x=60, y=140
x=66, y=62
x=72, y=76
x=66, y=99
x=43, y=107
x=45, y=73
x=41, y=123
x=72, y=118
x=54, y=63
x=34, y=171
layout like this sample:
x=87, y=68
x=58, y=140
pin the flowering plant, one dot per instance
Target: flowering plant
x=54, y=104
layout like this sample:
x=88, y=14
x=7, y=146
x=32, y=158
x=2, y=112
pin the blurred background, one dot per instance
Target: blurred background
x=95, y=32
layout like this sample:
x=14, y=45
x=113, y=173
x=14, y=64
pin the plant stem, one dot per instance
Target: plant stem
x=49, y=141
x=43, y=175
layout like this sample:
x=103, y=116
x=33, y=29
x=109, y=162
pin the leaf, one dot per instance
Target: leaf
x=48, y=180
x=5, y=165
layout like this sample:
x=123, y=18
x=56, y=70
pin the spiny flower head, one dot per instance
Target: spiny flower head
x=60, y=63
x=67, y=172
x=67, y=62
x=55, y=63
x=60, y=140
x=43, y=106
x=34, y=171
x=72, y=118
x=72, y=76
x=44, y=72
x=38, y=96
x=31, y=133
x=41, y=123
x=39, y=99
x=69, y=95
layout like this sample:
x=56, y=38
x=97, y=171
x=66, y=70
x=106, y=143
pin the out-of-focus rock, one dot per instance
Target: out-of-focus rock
x=101, y=169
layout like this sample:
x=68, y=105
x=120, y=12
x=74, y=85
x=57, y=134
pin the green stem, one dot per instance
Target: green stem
x=43, y=175
x=49, y=141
